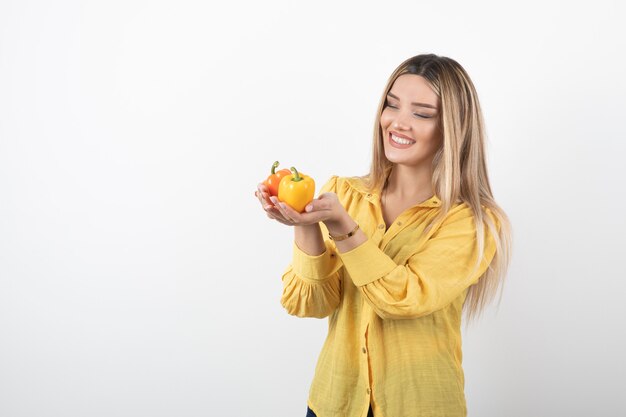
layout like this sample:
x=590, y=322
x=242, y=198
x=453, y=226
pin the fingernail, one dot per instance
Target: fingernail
x=309, y=208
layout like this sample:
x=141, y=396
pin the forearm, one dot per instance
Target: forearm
x=309, y=239
x=311, y=284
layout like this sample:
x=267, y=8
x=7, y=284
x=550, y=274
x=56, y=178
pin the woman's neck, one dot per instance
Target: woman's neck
x=409, y=183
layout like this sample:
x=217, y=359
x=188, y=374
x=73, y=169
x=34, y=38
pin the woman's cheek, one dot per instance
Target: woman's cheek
x=384, y=118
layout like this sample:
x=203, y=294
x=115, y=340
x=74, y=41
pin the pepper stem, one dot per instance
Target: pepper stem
x=296, y=175
x=274, y=166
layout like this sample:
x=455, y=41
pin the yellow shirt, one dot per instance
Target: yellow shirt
x=394, y=308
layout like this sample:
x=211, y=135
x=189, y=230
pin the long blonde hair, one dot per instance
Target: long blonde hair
x=459, y=166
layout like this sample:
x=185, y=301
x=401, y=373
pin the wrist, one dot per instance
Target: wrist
x=340, y=226
x=313, y=226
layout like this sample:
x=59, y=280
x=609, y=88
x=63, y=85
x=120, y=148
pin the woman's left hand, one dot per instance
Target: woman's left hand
x=326, y=208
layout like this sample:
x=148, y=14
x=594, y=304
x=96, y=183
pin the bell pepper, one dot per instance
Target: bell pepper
x=273, y=180
x=297, y=190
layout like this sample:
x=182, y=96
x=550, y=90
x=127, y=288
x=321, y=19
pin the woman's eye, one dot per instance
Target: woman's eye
x=414, y=114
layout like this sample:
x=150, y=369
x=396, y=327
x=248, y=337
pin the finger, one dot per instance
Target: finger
x=306, y=217
x=282, y=207
x=293, y=215
x=275, y=214
x=318, y=205
x=272, y=206
x=272, y=213
x=266, y=201
x=264, y=204
x=264, y=188
x=264, y=198
x=290, y=212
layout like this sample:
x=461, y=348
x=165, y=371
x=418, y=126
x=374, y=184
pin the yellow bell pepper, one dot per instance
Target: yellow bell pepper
x=297, y=190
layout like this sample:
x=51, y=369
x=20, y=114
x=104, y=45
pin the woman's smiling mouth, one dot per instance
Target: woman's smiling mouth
x=400, y=142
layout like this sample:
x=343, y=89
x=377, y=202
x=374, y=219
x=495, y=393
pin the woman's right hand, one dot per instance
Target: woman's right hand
x=263, y=194
x=326, y=208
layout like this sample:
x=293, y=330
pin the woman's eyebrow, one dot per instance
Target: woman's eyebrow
x=415, y=104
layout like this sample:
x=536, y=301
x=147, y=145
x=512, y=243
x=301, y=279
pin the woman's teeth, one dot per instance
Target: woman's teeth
x=401, y=141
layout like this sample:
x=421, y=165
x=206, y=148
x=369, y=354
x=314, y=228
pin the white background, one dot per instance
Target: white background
x=139, y=275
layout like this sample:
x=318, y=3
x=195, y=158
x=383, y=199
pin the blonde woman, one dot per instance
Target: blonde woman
x=392, y=258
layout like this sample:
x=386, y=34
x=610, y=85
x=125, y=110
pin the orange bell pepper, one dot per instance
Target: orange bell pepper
x=297, y=190
x=273, y=180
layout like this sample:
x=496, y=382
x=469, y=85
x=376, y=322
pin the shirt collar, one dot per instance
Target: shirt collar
x=358, y=184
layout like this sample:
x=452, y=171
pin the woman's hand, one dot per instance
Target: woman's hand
x=326, y=208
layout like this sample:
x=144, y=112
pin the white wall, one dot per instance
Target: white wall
x=138, y=274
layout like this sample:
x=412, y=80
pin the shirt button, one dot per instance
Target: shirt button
x=369, y=195
x=381, y=226
x=364, y=350
x=399, y=223
x=368, y=391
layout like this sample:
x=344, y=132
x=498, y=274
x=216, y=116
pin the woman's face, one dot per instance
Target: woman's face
x=411, y=112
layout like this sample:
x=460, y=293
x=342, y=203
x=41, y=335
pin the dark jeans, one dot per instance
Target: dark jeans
x=310, y=413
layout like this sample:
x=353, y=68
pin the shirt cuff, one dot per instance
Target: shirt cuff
x=313, y=267
x=367, y=263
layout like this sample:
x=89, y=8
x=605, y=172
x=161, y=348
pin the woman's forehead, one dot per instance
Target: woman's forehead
x=415, y=89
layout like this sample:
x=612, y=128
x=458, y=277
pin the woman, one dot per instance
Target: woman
x=394, y=257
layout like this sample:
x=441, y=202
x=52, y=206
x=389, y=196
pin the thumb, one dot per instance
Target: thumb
x=310, y=207
x=317, y=204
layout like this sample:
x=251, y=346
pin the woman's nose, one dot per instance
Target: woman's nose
x=400, y=122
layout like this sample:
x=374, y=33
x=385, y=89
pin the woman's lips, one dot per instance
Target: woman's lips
x=399, y=145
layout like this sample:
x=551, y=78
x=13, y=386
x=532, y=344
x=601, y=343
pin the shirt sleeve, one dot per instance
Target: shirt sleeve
x=312, y=283
x=432, y=277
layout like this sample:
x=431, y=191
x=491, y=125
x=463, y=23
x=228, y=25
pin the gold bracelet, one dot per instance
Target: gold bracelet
x=344, y=237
